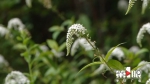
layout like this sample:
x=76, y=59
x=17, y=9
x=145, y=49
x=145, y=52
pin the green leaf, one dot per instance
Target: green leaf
x=19, y=46
x=115, y=64
x=131, y=3
x=56, y=28
x=110, y=51
x=26, y=41
x=52, y=44
x=91, y=64
x=62, y=46
x=55, y=35
x=140, y=66
x=141, y=51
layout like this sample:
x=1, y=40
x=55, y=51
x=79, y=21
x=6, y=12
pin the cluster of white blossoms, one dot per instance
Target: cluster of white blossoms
x=118, y=53
x=3, y=30
x=75, y=29
x=145, y=67
x=83, y=43
x=16, y=77
x=145, y=28
x=134, y=49
x=16, y=23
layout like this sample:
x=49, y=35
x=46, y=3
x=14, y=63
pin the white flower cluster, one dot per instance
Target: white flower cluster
x=134, y=49
x=76, y=29
x=16, y=24
x=13, y=23
x=118, y=53
x=16, y=77
x=3, y=30
x=145, y=67
x=148, y=81
x=3, y=62
x=83, y=43
x=145, y=27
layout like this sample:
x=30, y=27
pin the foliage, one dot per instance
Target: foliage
x=35, y=46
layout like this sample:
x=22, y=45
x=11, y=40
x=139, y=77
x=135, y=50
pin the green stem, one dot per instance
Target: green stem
x=31, y=74
x=101, y=56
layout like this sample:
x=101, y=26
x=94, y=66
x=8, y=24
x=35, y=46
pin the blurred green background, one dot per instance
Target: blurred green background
x=105, y=20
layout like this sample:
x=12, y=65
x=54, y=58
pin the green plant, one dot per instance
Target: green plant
x=77, y=30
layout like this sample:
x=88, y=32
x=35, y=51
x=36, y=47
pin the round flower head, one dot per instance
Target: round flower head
x=76, y=29
x=16, y=77
x=16, y=24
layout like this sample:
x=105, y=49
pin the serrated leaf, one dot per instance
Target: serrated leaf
x=88, y=65
x=110, y=51
x=131, y=3
x=115, y=64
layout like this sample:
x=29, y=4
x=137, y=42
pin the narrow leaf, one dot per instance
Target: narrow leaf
x=110, y=51
x=141, y=51
x=88, y=65
x=140, y=66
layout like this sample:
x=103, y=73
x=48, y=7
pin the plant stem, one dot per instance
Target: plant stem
x=31, y=74
x=101, y=56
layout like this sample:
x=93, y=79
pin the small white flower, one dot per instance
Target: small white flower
x=118, y=53
x=3, y=30
x=134, y=49
x=16, y=77
x=145, y=27
x=145, y=68
x=16, y=24
x=3, y=62
x=81, y=42
x=76, y=29
x=122, y=5
x=148, y=81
